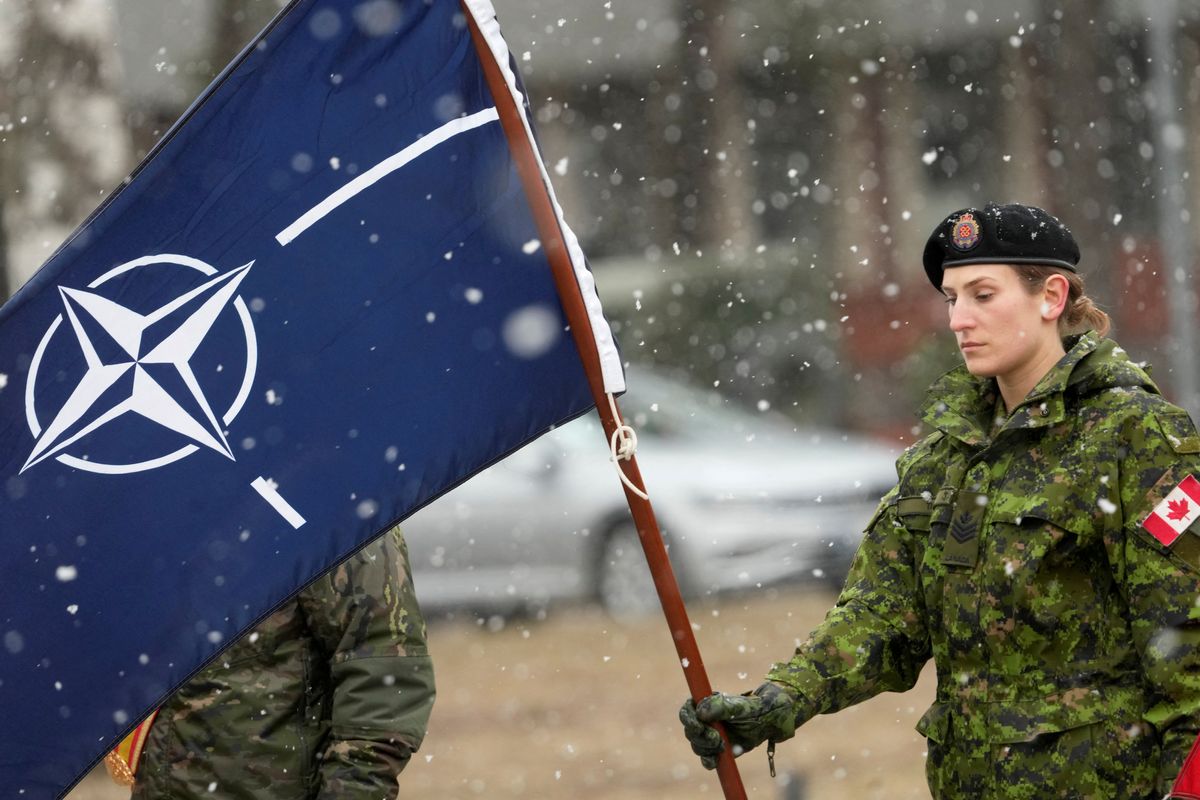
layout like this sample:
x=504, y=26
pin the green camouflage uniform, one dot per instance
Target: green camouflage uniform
x=1066, y=638
x=326, y=698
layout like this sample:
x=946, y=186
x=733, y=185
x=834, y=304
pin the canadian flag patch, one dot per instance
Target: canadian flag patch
x=1172, y=516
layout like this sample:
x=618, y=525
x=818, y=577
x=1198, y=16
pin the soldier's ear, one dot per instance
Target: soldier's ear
x=1054, y=296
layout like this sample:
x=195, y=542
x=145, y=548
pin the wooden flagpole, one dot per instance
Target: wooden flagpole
x=555, y=247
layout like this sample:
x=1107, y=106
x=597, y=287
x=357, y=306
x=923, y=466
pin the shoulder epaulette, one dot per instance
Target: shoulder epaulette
x=1178, y=429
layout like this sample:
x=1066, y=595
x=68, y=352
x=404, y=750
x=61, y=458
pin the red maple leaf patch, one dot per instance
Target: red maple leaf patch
x=1179, y=509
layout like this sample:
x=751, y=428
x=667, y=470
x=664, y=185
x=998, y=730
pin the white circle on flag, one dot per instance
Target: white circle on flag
x=251, y=367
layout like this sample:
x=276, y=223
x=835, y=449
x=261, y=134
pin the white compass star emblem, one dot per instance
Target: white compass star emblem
x=140, y=364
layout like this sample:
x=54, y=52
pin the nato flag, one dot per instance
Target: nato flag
x=322, y=301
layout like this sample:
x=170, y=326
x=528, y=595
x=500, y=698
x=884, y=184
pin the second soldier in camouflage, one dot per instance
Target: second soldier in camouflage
x=328, y=697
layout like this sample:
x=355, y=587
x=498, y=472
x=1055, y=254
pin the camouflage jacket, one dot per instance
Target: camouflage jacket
x=1066, y=638
x=326, y=698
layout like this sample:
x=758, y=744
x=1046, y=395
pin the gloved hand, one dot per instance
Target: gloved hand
x=766, y=714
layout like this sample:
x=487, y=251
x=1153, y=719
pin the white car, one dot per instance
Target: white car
x=743, y=500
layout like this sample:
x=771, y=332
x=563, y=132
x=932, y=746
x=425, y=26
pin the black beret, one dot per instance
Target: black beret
x=1008, y=234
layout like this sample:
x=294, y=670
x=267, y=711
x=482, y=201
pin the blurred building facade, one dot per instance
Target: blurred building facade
x=753, y=180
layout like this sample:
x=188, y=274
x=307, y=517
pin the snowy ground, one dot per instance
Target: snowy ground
x=578, y=706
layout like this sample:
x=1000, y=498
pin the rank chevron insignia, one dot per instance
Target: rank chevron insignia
x=962, y=528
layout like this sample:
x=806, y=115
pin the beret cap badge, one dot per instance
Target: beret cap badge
x=966, y=232
x=1012, y=233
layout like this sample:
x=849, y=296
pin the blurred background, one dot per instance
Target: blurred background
x=753, y=182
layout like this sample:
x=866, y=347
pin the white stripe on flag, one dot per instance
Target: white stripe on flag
x=383, y=169
x=271, y=495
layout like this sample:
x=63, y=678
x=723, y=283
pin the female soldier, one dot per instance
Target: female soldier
x=1042, y=545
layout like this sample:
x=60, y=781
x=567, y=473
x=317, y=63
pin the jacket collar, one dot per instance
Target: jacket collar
x=964, y=406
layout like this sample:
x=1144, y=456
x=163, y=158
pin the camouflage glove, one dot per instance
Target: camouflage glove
x=766, y=714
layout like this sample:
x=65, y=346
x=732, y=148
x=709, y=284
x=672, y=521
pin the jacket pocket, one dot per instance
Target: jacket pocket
x=1022, y=545
x=1081, y=520
x=1017, y=721
x=1048, y=592
x=1084, y=743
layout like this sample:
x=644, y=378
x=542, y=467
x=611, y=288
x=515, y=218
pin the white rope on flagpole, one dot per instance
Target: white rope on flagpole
x=623, y=446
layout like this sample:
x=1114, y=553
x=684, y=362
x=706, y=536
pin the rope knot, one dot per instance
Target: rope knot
x=623, y=447
x=623, y=443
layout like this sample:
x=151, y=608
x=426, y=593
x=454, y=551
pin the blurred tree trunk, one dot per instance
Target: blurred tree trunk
x=12, y=23
x=65, y=143
x=715, y=154
x=235, y=23
x=1028, y=176
x=1066, y=62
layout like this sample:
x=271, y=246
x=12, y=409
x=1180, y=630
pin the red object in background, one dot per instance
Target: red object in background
x=1187, y=785
x=1139, y=306
x=881, y=330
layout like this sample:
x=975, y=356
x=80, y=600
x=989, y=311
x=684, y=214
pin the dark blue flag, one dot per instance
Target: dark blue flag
x=323, y=300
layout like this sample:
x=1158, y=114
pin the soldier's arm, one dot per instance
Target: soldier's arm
x=368, y=620
x=1161, y=584
x=875, y=639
